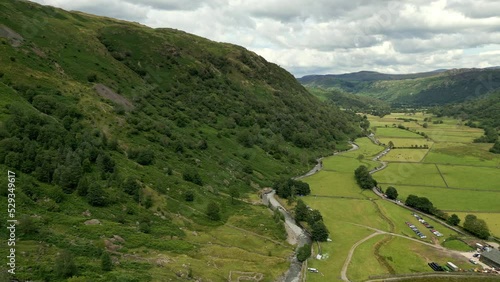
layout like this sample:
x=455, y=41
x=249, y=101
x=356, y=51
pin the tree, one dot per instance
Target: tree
x=193, y=176
x=476, y=226
x=425, y=125
x=313, y=217
x=364, y=178
x=65, y=265
x=391, y=193
x=496, y=147
x=304, y=252
x=97, y=196
x=319, y=232
x=234, y=193
x=106, y=263
x=189, y=196
x=131, y=186
x=213, y=211
x=301, y=211
x=83, y=186
x=391, y=144
x=360, y=157
x=453, y=220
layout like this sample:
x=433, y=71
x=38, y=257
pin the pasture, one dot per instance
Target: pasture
x=396, y=132
x=406, y=142
x=405, y=155
x=452, y=199
x=473, y=154
x=485, y=178
x=410, y=174
x=366, y=148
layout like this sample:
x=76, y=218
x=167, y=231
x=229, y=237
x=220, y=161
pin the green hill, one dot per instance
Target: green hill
x=421, y=89
x=143, y=130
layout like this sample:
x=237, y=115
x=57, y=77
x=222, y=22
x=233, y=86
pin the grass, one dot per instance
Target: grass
x=452, y=199
x=364, y=263
x=396, y=132
x=411, y=257
x=334, y=184
x=367, y=149
x=405, y=155
x=342, y=163
x=462, y=154
x=455, y=244
x=410, y=174
x=406, y=142
x=485, y=178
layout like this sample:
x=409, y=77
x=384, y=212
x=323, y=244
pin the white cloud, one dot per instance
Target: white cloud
x=330, y=36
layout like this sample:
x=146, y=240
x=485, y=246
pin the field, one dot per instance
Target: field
x=411, y=174
x=456, y=175
x=405, y=155
x=349, y=212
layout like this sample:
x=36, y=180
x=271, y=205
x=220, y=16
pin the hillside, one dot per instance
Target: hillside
x=147, y=145
x=421, y=89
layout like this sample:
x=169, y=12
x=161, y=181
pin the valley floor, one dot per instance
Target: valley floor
x=369, y=234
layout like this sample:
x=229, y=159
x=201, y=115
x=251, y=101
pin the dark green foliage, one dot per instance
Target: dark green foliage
x=476, y=226
x=290, y=187
x=148, y=202
x=193, y=176
x=420, y=203
x=132, y=187
x=142, y=156
x=83, y=186
x=65, y=266
x=391, y=193
x=27, y=225
x=453, y=220
x=106, y=263
x=304, y=252
x=496, y=147
x=364, y=178
x=490, y=136
x=319, y=232
x=313, y=217
x=213, y=211
x=96, y=196
x=189, y=196
x=301, y=211
x=234, y=193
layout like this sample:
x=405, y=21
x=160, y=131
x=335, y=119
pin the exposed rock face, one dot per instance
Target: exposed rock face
x=92, y=222
x=15, y=38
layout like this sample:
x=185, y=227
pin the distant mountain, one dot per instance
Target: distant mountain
x=421, y=89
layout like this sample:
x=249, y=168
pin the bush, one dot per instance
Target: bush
x=193, y=176
x=92, y=77
x=189, y=196
x=213, y=211
x=65, y=266
x=106, y=263
x=304, y=253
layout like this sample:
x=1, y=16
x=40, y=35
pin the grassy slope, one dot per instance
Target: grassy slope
x=196, y=104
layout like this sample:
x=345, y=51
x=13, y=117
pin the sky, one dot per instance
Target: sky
x=330, y=36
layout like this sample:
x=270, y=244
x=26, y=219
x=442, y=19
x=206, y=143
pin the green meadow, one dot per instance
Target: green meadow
x=410, y=174
x=405, y=142
x=405, y=155
x=396, y=132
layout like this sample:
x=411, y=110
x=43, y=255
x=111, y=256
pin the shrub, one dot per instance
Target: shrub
x=304, y=253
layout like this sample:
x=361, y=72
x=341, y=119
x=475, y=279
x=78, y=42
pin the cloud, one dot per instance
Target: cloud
x=330, y=36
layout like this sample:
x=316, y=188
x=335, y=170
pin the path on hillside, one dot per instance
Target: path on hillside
x=343, y=273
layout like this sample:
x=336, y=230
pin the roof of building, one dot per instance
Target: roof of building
x=493, y=255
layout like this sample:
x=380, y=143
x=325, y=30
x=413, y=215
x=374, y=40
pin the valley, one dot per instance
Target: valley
x=353, y=215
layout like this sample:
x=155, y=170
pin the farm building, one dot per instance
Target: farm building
x=491, y=258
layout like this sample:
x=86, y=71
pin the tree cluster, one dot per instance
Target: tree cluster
x=286, y=188
x=476, y=226
x=420, y=203
x=314, y=219
x=391, y=193
x=364, y=178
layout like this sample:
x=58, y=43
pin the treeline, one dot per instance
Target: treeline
x=314, y=220
x=364, y=178
x=474, y=225
x=289, y=188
